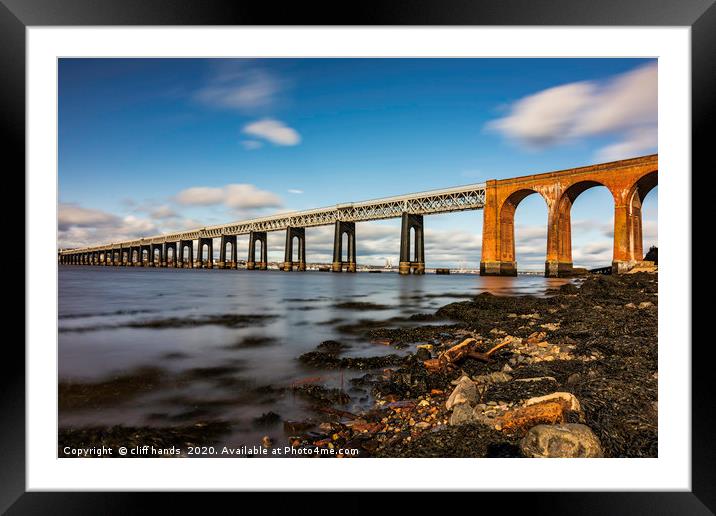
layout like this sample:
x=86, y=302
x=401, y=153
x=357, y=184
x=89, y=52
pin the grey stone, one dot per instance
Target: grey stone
x=573, y=379
x=461, y=414
x=570, y=440
x=465, y=392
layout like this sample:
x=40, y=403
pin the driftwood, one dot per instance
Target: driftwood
x=485, y=357
x=466, y=349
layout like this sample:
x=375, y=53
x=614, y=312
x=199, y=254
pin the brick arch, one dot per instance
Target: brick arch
x=562, y=241
x=507, y=211
x=634, y=200
x=627, y=180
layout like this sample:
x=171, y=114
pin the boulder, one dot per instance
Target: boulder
x=465, y=392
x=461, y=414
x=561, y=441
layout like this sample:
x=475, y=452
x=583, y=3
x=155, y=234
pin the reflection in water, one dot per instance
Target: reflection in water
x=158, y=347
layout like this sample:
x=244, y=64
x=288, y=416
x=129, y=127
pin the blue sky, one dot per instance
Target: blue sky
x=154, y=145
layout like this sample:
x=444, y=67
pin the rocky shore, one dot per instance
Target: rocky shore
x=573, y=374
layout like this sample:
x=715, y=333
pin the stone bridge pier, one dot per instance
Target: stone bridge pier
x=209, y=262
x=171, y=246
x=142, y=249
x=414, y=223
x=260, y=238
x=156, y=259
x=288, y=263
x=628, y=181
x=186, y=260
x=227, y=240
x=349, y=229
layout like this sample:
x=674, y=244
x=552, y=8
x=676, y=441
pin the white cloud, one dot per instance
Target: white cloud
x=239, y=86
x=200, y=196
x=235, y=196
x=625, y=107
x=72, y=215
x=295, y=191
x=636, y=141
x=78, y=226
x=273, y=131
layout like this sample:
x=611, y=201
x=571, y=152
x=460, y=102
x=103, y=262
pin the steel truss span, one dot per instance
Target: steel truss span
x=470, y=197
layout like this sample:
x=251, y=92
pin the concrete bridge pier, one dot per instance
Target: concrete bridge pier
x=225, y=241
x=417, y=264
x=186, y=259
x=347, y=228
x=254, y=238
x=289, y=264
x=209, y=262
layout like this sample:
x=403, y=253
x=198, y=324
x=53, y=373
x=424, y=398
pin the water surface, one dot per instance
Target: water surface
x=227, y=337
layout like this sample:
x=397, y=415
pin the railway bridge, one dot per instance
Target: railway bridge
x=628, y=181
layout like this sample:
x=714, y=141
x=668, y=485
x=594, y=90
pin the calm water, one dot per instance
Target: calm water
x=97, y=303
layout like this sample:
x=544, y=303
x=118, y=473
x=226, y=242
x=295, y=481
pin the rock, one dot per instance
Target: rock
x=568, y=401
x=506, y=368
x=561, y=441
x=535, y=337
x=630, y=305
x=365, y=427
x=500, y=377
x=646, y=304
x=573, y=379
x=423, y=354
x=461, y=414
x=422, y=425
x=550, y=326
x=465, y=392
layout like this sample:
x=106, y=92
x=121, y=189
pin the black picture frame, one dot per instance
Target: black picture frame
x=17, y=15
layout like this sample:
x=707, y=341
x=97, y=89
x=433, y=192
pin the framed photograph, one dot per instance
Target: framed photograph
x=423, y=241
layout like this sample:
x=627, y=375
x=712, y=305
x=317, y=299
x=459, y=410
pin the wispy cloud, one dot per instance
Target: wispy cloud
x=241, y=86
x=235, y=196
x=273, y=131
x=163, y=212
x=624, y=106
x=295, y=191
x=251, y=144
